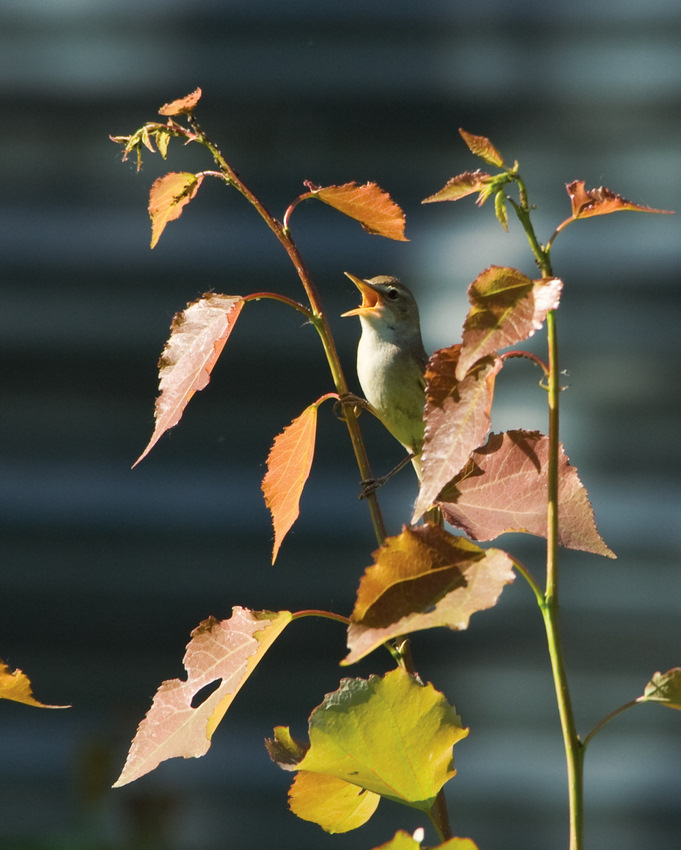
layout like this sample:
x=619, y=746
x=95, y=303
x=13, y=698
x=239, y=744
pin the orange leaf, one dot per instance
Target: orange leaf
x=506, y=307
x=16, y=686
x=505, y=488
x=424, y=578
x=457, y=420
x=461, y=186
x=168, y=195
x=288, y=467
x=373, y=208
x=220, y=652
x=482, y=147
x=197, y=336
x=589, y=202
x=183, y=105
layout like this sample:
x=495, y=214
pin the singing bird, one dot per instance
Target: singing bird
x=391, y=360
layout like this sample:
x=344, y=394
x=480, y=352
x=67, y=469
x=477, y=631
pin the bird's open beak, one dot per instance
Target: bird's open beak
x=370, y=297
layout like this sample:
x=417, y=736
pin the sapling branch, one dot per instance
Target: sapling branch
x=317, y=315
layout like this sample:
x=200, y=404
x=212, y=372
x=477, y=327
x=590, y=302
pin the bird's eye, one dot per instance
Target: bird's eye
x=393, y=294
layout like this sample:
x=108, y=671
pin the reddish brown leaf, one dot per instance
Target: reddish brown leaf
x=224, y=652
x=589, y=202
x=504, y=487
x=168, y=196
x=506, y=307
x=422, y=579
x=373, y=208
x=288, y=467
x=16, y=686
x=182, y=105
x=197, y=336
x=457, y=420
x=482, y=147
x=461, y=186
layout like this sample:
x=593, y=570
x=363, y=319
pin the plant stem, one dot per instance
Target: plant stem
x=574, y=748
x=318, y=317
x=597, y=728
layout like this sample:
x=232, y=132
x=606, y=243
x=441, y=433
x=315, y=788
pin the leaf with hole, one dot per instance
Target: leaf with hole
x=185, y=713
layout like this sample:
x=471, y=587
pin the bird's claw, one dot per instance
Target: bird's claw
x=358, y=403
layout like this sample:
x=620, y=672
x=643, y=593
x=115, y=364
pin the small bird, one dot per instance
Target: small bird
x=391, y=361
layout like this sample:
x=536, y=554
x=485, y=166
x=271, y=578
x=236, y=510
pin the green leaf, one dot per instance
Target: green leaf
x=390, y=735
x=403, y=841
x=664, y=688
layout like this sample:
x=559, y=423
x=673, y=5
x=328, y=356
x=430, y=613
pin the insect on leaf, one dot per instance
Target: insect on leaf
x=197, y=336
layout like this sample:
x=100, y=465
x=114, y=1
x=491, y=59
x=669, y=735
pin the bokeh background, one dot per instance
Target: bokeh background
x=104, y=571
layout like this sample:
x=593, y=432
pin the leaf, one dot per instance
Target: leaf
x=373, y=208
x=482, y=147
x=334, y=804
x=461, y=186
x=504, y=487
x=197, y=336
x=457, y=420
x=422, y=579
x=589, y=202
x=403, y=841
x=16, y=686
x=183, y=105
x=664, y=688
x=288, y=467
x=506, y=307
x=390, y=735
x=220, y=651
x=168, y=196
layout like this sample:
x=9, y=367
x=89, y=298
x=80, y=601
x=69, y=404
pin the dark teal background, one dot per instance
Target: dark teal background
x=104, y=571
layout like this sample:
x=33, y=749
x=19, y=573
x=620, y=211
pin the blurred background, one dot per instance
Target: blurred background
x=104, y=571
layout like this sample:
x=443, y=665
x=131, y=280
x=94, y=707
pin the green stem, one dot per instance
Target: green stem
x=597, y=728
x=574, y=748
x=318, y=316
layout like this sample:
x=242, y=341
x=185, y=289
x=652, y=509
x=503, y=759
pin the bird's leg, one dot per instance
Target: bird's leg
x=356, y=401
x=373, y=484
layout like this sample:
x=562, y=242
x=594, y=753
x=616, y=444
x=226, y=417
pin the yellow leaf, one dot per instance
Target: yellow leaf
x=167, y=198
x=332, y=803
x=16, y=686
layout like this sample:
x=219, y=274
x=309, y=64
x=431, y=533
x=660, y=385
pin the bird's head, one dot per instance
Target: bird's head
x=385, y=301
